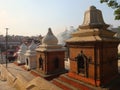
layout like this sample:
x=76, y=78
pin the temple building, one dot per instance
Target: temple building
x=50, y=56
x=30, y=57
x=93, y=50
x=21, y=56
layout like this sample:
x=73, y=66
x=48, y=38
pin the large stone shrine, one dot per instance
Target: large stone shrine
x=50, y=56
x=93, y=50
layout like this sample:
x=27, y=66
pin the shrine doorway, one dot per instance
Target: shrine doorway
x=41, y=63
x=82, y=67
x=26, y=61
x=56, y=63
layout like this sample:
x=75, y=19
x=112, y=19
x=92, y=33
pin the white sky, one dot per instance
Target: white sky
x=34, y=17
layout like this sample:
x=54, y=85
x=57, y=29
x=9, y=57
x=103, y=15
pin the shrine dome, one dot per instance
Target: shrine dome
x=50, y=38
x=93, y=18
x=32, y=46
x=23, y=47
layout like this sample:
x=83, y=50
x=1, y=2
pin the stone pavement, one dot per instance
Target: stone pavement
x=15, y=70
x=4, y=86
x=27, y=81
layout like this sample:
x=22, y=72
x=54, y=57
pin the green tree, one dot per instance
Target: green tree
x=115, y=4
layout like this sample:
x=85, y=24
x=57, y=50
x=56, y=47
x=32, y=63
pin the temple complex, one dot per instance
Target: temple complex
x=21, y=56
x=50, y=56
x=30, y=57
x=93, y=50
x=92, y=62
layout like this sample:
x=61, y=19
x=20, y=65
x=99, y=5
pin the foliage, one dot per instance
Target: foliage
x=115, y=4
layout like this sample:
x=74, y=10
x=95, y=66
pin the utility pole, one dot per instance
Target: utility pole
x=6, y=45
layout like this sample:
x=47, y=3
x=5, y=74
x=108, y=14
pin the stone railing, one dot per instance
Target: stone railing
x=21, y=83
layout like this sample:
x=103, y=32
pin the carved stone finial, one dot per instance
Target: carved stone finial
x=93, y=19
x=49, y=39
x=92, y=8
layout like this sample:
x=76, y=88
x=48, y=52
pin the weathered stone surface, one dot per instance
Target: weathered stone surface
x=49, y=39
x=5, y=86
x=41, y=84
x=93, y=19
x=23, y=80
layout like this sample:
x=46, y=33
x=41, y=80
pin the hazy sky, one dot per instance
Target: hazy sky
x=34, y=17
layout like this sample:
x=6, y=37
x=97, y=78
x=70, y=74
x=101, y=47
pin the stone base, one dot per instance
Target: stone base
x=67, y=83
x=18, y=64
x=82, y=78
x=90, y=81
x=25, y=68
x=47, y=76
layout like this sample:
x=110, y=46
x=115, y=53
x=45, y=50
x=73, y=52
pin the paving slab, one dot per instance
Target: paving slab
x=4, y=86
x=14, y=69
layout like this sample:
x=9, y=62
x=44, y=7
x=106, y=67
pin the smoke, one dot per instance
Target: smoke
x=63, y=36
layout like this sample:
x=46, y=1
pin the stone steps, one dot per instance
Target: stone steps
x=76, y=83
x=67, y=83
x=63, y=85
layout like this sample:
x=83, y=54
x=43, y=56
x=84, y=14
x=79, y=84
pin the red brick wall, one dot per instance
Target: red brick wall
x=48, y=61
x=89, y=52
x=103, y=64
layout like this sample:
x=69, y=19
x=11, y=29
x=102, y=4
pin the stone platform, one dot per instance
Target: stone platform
x=21, y=79
x=17, y=77
x=47, y=77
x=69, y=83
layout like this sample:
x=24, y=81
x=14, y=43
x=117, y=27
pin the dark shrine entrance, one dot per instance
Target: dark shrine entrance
x=40, y=62
x=27, y=61
x=81, y=60
x=56, y=63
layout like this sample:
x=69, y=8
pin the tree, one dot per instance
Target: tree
x=115, y=5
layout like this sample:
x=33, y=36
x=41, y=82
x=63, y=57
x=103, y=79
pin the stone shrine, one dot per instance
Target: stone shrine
x=50, y=56
x=30, y=57
x=21, y=56
x=93, y=50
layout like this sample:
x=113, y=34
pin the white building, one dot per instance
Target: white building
x=21, y=52
x=30, y=57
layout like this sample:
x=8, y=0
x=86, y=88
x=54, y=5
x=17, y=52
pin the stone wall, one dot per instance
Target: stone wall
x=40, y=84
x=21, y=83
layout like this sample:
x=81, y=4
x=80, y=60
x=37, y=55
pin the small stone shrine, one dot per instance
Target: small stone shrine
x=50, y=56
x=93, y=50
x=21, y=56
x=30, y=57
